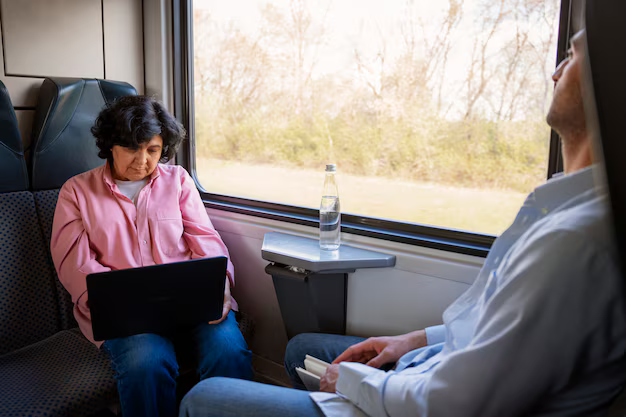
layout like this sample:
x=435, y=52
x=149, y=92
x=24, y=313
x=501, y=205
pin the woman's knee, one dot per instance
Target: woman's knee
x=228, y=361
x=223, y=352
x=143, y=356
x=153, y=367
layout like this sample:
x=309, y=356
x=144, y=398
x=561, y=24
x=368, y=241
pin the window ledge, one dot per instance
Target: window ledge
x=429, y=237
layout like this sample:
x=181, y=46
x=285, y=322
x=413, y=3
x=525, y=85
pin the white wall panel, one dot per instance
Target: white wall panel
x=391, y=301
x=158, y=50
x=60, y=38
x=23, y=90
x=123, y=42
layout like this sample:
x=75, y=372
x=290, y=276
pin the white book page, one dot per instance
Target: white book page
x=313, y=370
x=310, y=381
x=315, y=367
x=318, y=361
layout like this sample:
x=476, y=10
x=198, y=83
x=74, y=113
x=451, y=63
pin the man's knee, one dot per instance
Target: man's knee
x=297, y=348
x=201, y=399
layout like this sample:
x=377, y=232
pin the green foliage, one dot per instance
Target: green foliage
x=418, y=147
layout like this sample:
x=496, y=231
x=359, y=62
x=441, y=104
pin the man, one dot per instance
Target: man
x=540, y=332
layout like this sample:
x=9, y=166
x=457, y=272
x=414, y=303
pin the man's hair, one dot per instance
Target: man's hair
x=133, y=120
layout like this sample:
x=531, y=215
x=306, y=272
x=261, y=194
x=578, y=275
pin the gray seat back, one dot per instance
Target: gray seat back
x=28, y=302
x=13, y=174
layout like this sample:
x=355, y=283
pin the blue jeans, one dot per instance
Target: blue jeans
x=227, y=397
x=322, y=346
x=146, y=368
x=233, y=398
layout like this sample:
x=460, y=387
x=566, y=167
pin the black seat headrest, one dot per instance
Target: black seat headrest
x=62, y=143
x=13, y=173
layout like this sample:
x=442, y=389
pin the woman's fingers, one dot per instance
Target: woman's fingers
x=225, y=309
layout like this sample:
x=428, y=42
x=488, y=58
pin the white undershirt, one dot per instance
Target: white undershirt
x=131, y=189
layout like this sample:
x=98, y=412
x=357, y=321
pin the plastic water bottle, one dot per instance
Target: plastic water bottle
x=330, y=214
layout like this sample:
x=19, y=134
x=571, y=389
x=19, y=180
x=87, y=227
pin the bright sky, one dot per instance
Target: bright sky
x=349, y=23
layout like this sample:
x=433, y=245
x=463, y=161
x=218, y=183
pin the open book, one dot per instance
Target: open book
x=313, y=370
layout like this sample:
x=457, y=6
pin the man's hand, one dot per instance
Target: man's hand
x=329, y=379
x=377, y=351
x=227, y=303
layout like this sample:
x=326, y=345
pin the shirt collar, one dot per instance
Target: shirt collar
x=563, y=188
x=108, y=177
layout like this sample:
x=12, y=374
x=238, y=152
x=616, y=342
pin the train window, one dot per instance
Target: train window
x=433, y=111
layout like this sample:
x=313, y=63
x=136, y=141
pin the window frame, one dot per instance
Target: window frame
x=433, y=237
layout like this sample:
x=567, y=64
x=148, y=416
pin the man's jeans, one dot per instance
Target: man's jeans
x=322, y=346
x=226, y=397
x=146, y=368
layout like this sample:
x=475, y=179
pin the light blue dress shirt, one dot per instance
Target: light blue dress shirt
x=541, y=332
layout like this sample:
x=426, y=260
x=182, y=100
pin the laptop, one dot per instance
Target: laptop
x=161, y=299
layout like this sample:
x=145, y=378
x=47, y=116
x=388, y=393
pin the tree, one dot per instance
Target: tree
x=293, y=40
x=229, y=67
x=480, y=70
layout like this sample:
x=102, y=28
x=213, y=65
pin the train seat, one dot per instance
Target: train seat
x=27, y=301
x=46, y=366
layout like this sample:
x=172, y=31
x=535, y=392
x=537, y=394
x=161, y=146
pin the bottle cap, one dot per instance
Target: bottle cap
x=331, y=167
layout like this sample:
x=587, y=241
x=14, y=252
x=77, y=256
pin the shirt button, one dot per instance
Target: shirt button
x=145, y=242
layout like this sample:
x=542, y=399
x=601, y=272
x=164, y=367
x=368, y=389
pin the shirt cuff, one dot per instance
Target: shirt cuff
x=435, y=334
x=363, y=386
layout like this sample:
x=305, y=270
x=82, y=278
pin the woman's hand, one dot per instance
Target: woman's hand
x=227, y=303
x=377, y=351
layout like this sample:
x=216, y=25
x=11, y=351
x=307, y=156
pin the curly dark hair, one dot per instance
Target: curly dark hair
x=132, y=120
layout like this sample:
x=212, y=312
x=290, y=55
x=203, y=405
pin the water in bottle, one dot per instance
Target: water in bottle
x=330, y=213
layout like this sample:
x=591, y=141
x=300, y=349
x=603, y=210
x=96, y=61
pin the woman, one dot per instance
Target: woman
x=132, y=212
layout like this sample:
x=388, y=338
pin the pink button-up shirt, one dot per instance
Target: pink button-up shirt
x=96, y=228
